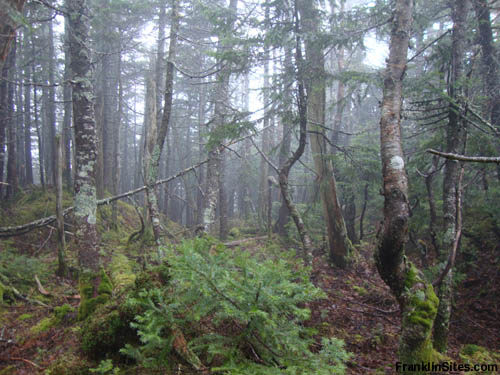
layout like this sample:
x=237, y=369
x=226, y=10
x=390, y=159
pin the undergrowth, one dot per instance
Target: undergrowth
x=240, y=314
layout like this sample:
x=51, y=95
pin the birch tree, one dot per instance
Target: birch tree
x=415, y=295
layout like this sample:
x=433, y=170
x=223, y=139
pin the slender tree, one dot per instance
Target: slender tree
x=340, y=246
x=455, y=132
x=154, y=145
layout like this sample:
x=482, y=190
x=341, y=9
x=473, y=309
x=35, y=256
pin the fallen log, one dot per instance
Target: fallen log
x=244, y=240
x=28, y=227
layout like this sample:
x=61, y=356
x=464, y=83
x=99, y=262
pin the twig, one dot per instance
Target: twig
x=44, y=243
x=27, y=361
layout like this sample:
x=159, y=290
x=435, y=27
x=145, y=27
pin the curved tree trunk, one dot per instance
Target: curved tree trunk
x=284, y=170
x=154, y=143
x=416, y=297
x=339, y=244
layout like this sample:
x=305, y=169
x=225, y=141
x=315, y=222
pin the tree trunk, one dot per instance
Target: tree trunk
x=66, y=131
x=116, y=142
x=155, y=144
x=340, y=246
x=61, y=248
x=27, y=118
x=215, y=190
x=85, y=137
x=284, y=170
x=10, y=12
x=12, y=177
x=454, y=139
x=416, y=297
x=3, y=122
x=264, y=167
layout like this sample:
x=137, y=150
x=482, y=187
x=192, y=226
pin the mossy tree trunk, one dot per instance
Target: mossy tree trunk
x=86, y=235
x=454, y=140
x=416, y=297
x=339, y=244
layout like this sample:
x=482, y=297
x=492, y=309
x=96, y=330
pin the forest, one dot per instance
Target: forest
x=257, y=187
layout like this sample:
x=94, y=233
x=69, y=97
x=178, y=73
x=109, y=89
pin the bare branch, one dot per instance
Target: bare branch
x=472, y=159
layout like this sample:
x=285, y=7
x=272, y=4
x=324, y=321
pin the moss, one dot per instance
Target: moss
x=90, y=298
x=411, y=276
x=235, y=232
x=24, y=317
x=424, y=307
x=108, y=329
x=420, y=309
x=43, y=325
x=60, y=314
x=475, y=354
x=121, y=271
x=8, y=370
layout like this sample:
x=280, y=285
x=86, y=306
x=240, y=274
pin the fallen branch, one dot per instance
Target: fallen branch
x=25, y=360
x=41, y=289
x=24, y=298
x=244, y=240
x=28, y=227
x=473, y=159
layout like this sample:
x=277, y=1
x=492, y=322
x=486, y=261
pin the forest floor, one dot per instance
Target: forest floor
x=359, y=309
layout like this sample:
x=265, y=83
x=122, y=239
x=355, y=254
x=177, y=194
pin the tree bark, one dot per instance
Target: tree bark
x=27, y=118
x=454, y=139
x=416, y=297
x=284, y=170
x=155, y=144
x=8, y=10
x=340, y=246
x=12, y=177
x=215, y=190
x=85, y=137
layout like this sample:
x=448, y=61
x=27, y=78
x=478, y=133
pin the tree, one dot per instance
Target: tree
x=340, y=246
x=416, y=296
x=455, y=132
x=10, y=11
x=215, y=191
x=154, y=144
x=92, y=283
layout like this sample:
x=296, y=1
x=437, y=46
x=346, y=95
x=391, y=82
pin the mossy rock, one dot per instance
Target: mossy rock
x=108, y=329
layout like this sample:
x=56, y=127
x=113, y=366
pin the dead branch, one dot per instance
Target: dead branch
x=41, y=289
x=472, y=159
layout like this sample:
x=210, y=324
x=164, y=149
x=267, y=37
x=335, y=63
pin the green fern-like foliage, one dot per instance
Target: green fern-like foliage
x=244, y=315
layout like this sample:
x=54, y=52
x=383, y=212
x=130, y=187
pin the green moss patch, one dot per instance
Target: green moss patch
x=91, y=298
x=59, y=316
